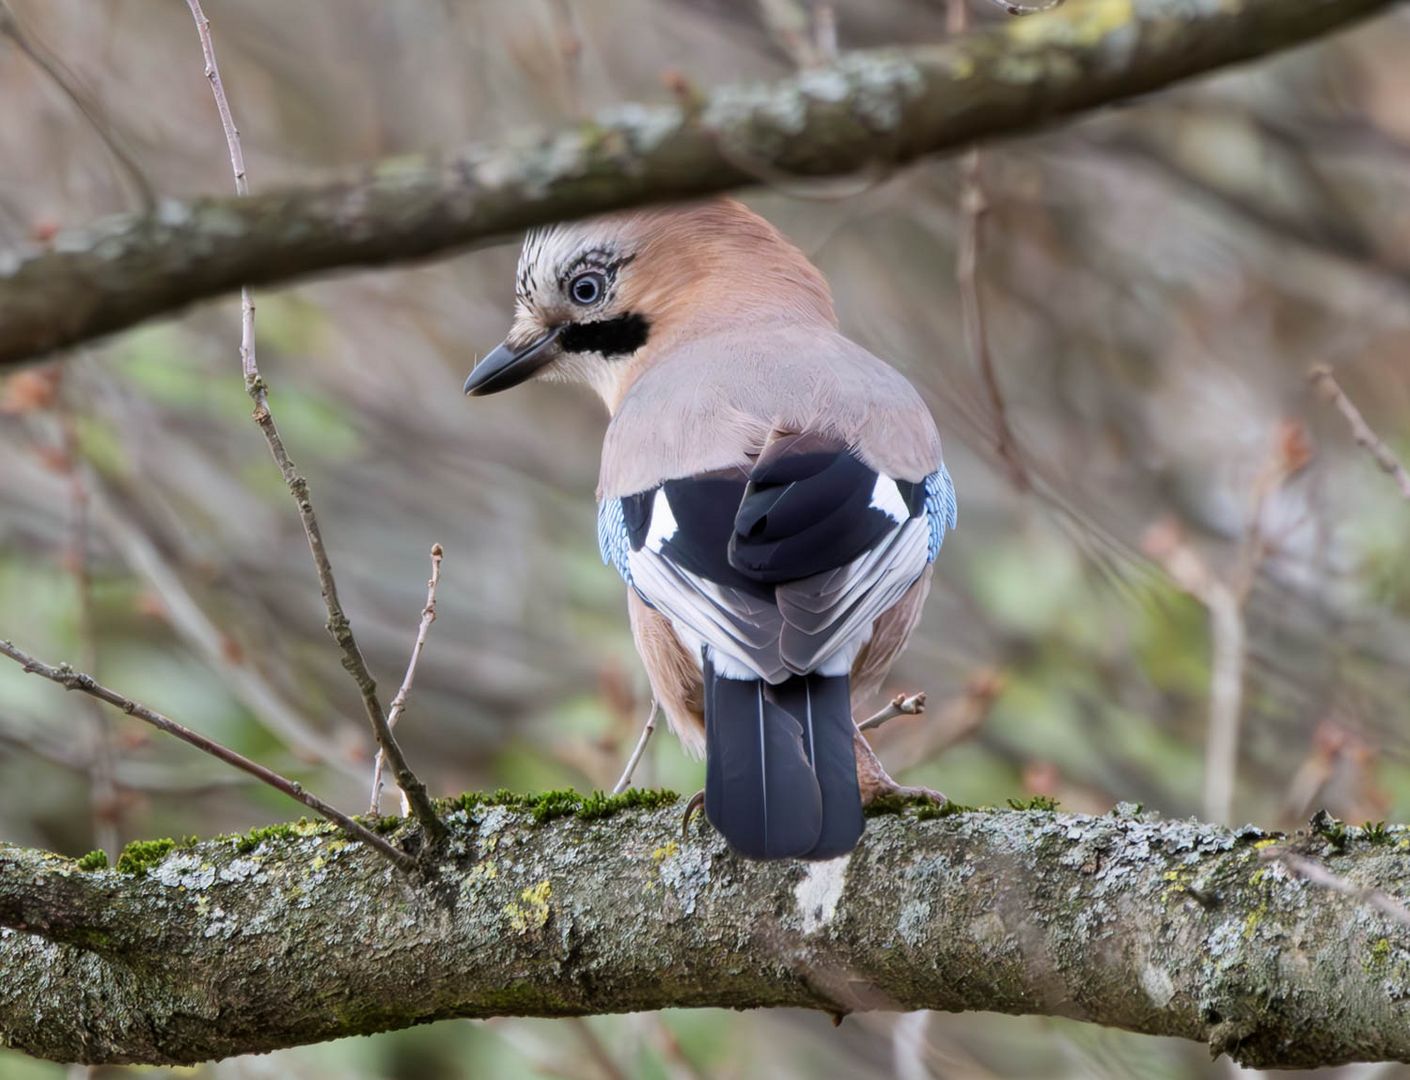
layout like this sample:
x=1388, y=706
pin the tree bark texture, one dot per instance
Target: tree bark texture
x=236, y=945
x=868, y=110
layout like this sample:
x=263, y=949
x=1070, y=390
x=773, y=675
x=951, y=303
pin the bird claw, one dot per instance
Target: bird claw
x=696, y=802
x=891, y=789
x=875, y=782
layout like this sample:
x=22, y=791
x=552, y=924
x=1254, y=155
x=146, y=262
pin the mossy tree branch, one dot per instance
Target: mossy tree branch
x=865, y=110
x=296, y=934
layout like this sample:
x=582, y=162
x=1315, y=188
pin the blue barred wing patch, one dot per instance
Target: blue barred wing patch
x=613, y=540
x=940, y=507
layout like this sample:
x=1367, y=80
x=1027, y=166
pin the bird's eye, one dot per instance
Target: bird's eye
x=587, y=288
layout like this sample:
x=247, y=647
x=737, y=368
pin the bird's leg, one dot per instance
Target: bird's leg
x=875, y=782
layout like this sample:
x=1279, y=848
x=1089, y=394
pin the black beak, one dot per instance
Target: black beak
x=506, y=367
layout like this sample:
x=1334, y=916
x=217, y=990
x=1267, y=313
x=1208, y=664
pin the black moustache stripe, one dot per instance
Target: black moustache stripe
x=611, y=337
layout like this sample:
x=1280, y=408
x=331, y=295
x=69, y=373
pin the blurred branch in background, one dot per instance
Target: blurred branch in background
x=57, y=72
x=887, y=107
x=104, y=798
x=974, y=205
x=1226, y=599
x=1323, y=379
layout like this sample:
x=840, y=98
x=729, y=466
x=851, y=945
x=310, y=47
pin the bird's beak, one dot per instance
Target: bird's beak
x=505, y=367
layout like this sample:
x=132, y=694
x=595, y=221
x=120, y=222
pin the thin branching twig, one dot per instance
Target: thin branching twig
x=70, y=679
x=1381, y=454
x=626, y=778
x=338, y=624
x=428, y=616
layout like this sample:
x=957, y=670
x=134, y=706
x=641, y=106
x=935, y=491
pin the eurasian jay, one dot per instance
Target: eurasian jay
x=772, y=494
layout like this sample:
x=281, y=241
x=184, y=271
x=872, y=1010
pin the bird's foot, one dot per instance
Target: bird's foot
x=696, y=802
x=875, y=782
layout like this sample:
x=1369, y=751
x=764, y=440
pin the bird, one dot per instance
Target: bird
x=772, y=494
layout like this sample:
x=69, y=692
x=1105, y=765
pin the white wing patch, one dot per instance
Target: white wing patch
x=814, y=624
x=663, y=522
x=886, y=497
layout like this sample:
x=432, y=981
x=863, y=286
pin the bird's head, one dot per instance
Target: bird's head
x=597, y=300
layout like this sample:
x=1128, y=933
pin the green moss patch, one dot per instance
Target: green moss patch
x=565, y=802
x=141, y=855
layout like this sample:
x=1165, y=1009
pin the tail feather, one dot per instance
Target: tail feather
x=823, y=705
x=760, y=789
x=781, y=767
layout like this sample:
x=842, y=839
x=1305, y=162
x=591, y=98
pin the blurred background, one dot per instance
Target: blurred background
x=1182, y=566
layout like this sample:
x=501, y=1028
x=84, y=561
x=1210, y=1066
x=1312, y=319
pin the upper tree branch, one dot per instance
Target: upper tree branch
x=1170, y=928
x=866, y=108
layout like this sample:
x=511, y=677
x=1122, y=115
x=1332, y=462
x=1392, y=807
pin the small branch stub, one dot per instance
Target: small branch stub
x=428, y=616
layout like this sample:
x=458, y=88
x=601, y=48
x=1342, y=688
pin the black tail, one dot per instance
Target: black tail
x=780, y=768
x=823, y=705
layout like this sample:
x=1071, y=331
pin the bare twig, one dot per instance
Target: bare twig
x=900, y=705
x=428, y=616
x=626, y=778
x=1319, y=875
x=1229, y=646
x=974, y=206
x=957, y=720
x=338, y=624
x=1386, y=461
x=70, y=679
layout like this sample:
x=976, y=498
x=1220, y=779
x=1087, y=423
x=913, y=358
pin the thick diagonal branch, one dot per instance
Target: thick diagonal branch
x=1164, y=927
x=865, y=109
